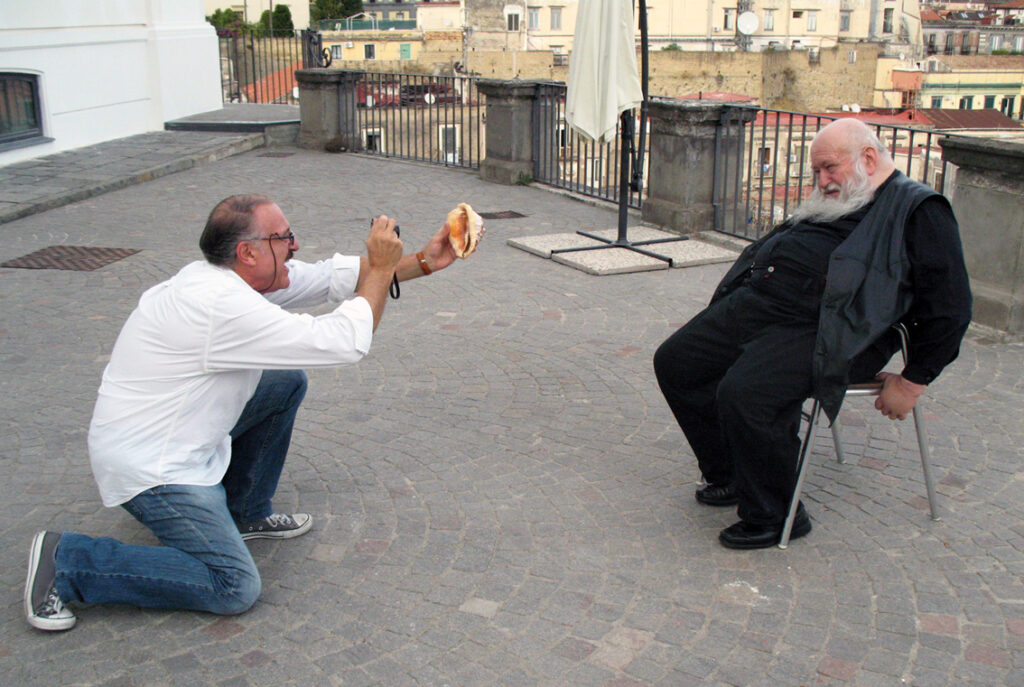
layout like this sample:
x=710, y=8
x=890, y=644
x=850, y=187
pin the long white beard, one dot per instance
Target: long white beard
x=855, y=193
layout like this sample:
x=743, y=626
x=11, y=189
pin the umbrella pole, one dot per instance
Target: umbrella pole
x=630, y=178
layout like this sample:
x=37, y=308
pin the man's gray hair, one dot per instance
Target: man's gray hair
x=228, y=224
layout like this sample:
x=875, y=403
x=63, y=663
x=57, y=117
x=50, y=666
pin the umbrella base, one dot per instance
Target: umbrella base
x=623, y=242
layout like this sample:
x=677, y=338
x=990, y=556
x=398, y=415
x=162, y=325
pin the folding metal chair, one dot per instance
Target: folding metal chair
x=812, y=417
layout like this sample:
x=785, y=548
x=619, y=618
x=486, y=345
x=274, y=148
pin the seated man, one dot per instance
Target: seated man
x=196, y=407
x=804, y=311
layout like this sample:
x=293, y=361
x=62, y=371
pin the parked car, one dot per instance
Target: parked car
x=428, y=93
x=377, y=93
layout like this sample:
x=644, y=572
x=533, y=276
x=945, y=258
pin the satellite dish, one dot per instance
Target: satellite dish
x=746, y=23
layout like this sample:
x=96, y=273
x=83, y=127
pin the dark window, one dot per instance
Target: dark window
x=20, y=116
x=887, y=20
x=369, y=51
x=990, y=101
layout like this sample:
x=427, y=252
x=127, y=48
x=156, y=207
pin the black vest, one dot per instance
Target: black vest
x=867, y=288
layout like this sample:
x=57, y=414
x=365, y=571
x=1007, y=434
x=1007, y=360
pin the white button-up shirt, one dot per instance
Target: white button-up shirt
x=189, y=358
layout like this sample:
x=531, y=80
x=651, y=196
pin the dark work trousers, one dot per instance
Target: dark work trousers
x=735, y=377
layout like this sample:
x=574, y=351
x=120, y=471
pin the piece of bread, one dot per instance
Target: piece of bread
x=464, y=227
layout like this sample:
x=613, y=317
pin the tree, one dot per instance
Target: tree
x=277, y=24
x=334, y=9
x=283, y=19
x=227, y=22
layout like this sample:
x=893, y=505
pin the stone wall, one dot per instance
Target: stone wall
x=793, y=81
x=784, y=79
x=989, y=205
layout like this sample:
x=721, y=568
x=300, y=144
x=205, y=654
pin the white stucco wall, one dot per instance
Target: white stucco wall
x=109, y=68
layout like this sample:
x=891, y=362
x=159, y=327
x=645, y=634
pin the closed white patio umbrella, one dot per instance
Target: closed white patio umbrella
x=603, y=77
x=603, y=90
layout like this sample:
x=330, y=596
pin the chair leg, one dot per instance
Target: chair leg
x=802, y=461
x=837, y=440
x=926, y=463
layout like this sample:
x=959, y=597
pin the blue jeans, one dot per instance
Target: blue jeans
x=203, y=564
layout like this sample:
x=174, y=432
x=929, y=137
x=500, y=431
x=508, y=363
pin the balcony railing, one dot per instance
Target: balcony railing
x=762, y=175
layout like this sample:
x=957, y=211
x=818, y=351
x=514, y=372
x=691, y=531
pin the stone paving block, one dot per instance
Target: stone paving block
x=543, y=473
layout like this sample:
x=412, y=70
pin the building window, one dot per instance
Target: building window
x=844, y=20
x=851, y=57
x=369, y=51
x=887, y=20
x=729, y=19
x=399, y=16
x=373, y=140
x=336, y=53
x=448, y=142
x=769, y=20
x=1007, y=105
x=965, y=44
x=1018, y=43
x=937, y=101
x=533, y=18
x=20, y=113
x=930, y=40
x=405, y=51
x=764, y=161
x=512, y=21
x=990, y=102
x=561, y=58
x=812, y=20
x=996, y=42
x=966, y=102
x=556, y=18
x=949, y=44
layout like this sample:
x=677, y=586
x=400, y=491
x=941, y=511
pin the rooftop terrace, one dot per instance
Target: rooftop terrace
x=500, y=494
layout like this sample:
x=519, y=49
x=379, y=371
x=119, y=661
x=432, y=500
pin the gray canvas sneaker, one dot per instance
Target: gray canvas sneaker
x=43, y=608
x=277, y=526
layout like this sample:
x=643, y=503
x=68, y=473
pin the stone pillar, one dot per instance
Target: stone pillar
x=988, y=199
x=327, y=108
x=681, y=184
x=509, y=154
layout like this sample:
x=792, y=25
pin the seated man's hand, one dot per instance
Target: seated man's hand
x=898, y=397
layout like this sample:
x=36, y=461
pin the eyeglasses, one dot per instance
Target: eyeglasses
x=289, y=237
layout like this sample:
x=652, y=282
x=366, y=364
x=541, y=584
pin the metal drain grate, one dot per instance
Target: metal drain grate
x=76, y=258
x=275, y=154
x=503, y=214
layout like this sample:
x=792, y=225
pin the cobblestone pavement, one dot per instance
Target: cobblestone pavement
x=500, y=495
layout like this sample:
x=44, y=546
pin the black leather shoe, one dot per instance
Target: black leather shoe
x=747, y=535
x=717, y=495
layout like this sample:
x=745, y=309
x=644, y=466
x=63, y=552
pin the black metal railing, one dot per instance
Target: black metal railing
x=565, y=159
x=436, y=119
x=258, y=66
x=763, y=168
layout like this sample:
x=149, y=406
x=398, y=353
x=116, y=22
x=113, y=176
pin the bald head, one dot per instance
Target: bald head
x=843, y=145
x=849, y=164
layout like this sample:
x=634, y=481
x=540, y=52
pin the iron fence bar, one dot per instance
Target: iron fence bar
x=803, y=152
x=789, y=170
